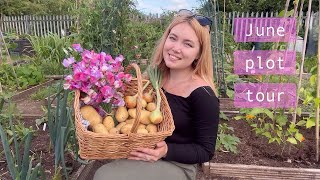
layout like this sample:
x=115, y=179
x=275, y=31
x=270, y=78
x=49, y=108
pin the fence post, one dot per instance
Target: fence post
x=1, y=22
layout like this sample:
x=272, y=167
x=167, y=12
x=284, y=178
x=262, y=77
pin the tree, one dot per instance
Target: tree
x=36, y=7
x=260, y=5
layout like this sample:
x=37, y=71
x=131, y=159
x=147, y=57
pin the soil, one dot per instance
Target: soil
x=40, y=150
x=252, y=150
x=255, y=150
x=30, y=110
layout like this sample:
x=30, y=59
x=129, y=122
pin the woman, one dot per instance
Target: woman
x=184, y=58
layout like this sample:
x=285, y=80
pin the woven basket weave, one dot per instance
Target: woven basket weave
x=114, y=146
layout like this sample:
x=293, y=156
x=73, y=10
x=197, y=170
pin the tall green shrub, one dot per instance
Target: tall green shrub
x=103, y=25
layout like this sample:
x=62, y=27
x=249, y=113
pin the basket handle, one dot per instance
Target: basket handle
x=139, y=97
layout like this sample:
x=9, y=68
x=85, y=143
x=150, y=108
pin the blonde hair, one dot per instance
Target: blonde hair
x=203, y=66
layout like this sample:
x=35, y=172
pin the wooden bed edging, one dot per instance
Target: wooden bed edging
x=27, y=92
x=259, y=172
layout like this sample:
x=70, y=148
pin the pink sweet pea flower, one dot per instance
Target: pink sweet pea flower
x=77, y=47
x=120, y=58
x=68, y=62
x=117, y=84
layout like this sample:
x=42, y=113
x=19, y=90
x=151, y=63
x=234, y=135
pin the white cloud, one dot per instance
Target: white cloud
x=177, y=4
x=157, y=6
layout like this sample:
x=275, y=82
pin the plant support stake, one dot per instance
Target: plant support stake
x=294, y=116
x=318, y=93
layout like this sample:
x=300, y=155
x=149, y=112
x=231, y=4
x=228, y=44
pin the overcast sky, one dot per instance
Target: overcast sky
x=157, y=6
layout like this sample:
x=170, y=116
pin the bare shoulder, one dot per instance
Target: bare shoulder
x=198, y=82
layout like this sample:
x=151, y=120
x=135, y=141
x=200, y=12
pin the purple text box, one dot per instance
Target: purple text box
x=264, y=62
x=266, y=95
x=264, y=29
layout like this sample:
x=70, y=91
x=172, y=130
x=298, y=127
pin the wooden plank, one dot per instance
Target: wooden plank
x=1, y=24
x=10, y=23
x=26, y=24
x=28, y=91
x=261, y=172
x=22, y=24
x=60, y=26
x=68, y=21
x=50, y=23
x=18, y=25
x=232, y=27
x=42, y=26
x=54, y=18
x=33, y=19
x=64, y=25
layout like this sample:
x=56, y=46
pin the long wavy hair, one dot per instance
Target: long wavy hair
x=203, y=66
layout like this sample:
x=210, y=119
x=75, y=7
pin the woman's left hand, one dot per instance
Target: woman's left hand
x=151, y=155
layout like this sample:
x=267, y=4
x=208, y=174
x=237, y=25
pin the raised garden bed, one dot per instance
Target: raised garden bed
x=256, y=159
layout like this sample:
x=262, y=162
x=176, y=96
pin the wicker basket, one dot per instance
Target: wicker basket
x=115, y=146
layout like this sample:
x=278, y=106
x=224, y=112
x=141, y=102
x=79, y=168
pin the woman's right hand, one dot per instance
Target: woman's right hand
x=151, y=155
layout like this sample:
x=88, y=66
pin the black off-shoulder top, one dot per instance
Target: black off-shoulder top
x=196, y=120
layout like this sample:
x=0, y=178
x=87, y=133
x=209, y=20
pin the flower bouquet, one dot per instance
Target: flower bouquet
x=98, y=76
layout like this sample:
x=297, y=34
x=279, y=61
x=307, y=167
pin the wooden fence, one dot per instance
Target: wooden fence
x=36, y=25
x=42, y=25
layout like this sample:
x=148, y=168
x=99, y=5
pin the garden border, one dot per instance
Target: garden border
x=259, y=172
x=21, y=95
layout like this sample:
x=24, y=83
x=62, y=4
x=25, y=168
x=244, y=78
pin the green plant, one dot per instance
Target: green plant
x=103, y=25
x=43, y=93
x=20, y=168
x=226, y=141
x=274, y=125
x=29, y=75
x=50, y=50
x=19, y=77
x=61, y=129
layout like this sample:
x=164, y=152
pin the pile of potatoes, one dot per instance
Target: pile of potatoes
x=124, y=119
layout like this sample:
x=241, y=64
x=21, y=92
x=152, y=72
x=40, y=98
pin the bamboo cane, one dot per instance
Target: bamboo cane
x=1, y=57
x=5, y=48
x=284, y=15
x=294, y=118
x=318, y=92
x=299, y=21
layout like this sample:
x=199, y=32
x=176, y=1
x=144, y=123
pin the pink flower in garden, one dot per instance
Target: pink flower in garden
x=77, y=47
x=120, y=58
x=66, y=85
x=110, y=77
x=68, y=62
x=86, y=99
x=117, y=84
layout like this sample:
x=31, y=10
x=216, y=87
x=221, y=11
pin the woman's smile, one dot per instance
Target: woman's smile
x=181, y=47
x=173, y=57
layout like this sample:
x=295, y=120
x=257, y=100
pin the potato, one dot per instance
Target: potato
x=144, y=103
x=114, y=131
x=147, y=97
x=142, y=131
x=130, y=121
x=91, y=115
x=119, y=126
x=108, y=122
x=100, y=128
x=126, y=129
x=132, y=113
x=144, y=119
x=141, y=126
x=121, y=114
x=131, y=101
x=151, y=128
x=151, y=106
